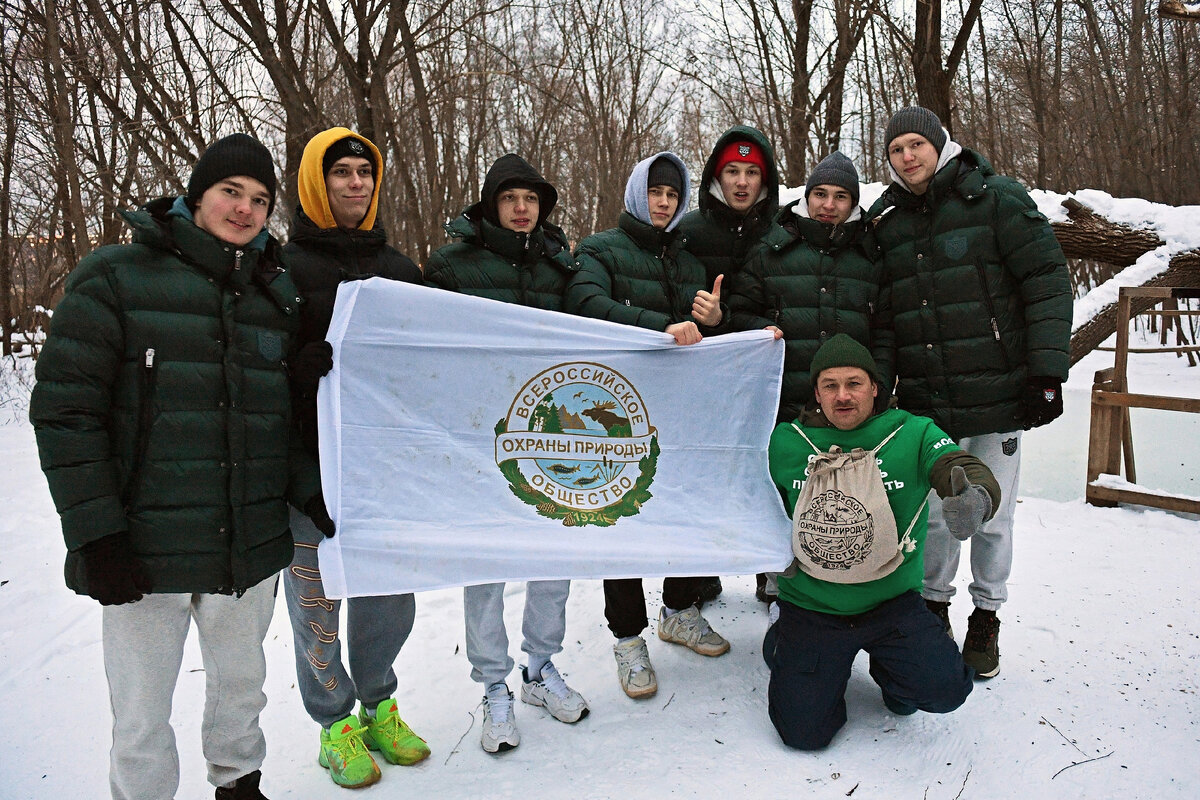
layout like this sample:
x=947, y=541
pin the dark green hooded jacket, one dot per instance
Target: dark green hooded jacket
x=813, y=280
x=977, y=293
x=162, y=406
x=636, y=274
x=529, y=269
x=718, y=236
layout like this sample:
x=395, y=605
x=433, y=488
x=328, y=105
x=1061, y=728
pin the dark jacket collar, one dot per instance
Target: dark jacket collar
x=545, y=240
x=306, y=233
x=789, y=228
x=225, y=263
x=648, y=237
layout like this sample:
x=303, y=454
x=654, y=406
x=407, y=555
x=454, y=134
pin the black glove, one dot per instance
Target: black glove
x=114, y=574
x=1043, y=401
x=966, y=509
x=310, y=364
x=315, y=510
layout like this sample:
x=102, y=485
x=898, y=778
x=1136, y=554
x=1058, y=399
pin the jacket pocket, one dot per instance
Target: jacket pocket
x=993, y=321
x=147, y=379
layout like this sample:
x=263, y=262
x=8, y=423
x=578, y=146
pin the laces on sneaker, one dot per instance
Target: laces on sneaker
x=350, y=745
x=499, y=702
x=390, y=726
x=633, y=656
x=554, y=682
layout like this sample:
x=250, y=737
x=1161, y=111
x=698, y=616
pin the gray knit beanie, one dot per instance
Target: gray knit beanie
x=916, y=119
x=835, y=170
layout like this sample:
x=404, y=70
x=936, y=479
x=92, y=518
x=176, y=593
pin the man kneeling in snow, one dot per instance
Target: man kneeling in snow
x=856, y=484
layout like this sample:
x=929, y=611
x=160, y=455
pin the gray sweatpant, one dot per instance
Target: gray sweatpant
x=543, y=626
x=376, y=629
x=992, y=544
x=143, y=651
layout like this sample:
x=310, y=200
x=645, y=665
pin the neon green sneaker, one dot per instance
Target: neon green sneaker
x=388, y=734
x=345, y=755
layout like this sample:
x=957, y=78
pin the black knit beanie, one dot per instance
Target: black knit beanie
x=664, y=172
x=235, y=154
x=835, y=170
x=842, y=351
x=916, y=119
x=348, y=146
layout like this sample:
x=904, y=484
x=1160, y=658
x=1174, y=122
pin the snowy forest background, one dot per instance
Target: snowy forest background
x=106, y=103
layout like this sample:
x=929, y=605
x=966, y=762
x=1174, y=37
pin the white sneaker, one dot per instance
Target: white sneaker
x=633, y=668
x=691, y=630
x=552, y=693
x=499, y=722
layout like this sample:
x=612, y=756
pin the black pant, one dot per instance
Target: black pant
x=914, y=662
x=625, y=604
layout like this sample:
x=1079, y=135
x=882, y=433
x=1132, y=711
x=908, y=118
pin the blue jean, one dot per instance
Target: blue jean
x=376, y=629
x=810, y=654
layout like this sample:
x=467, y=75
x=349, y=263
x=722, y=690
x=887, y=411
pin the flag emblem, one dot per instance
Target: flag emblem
x=577, y=445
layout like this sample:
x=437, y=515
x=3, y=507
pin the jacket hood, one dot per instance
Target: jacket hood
x=710, y=200
x=637, y=199
x=314, y=197
x=949, y=151
x=965, y=172
x=514, y=170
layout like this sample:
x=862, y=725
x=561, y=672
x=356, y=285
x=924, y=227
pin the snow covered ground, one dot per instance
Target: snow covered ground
x=1097, y=696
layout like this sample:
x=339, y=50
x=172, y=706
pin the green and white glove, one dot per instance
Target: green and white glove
x=967, y=508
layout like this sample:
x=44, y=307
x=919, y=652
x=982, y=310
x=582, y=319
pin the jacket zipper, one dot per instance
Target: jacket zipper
x=991, y=307
x=147, y=376
x=672, y=290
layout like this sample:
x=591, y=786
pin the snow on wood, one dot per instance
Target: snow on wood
x=1108, y=481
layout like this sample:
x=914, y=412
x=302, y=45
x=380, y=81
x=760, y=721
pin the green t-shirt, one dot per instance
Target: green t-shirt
x=905, y=464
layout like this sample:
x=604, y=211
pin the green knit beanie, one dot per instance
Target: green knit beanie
x=843, y=351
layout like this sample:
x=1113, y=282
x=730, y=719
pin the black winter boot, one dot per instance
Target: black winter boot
x=246, y=788
x=981, y=650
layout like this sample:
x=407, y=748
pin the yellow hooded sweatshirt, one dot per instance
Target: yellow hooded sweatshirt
x=314, y=199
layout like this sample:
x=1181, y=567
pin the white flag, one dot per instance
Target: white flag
x=468, y=441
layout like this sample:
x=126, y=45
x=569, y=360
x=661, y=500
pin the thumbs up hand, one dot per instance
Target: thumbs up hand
x=967, y=508
x=706, y=308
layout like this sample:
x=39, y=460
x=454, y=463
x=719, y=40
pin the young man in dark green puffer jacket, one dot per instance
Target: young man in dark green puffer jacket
x=510, y=252
x=980, y=301
x=162, y=415
x=816, y=274
x=739, y=196
x=521, y=259
x=639, y=274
